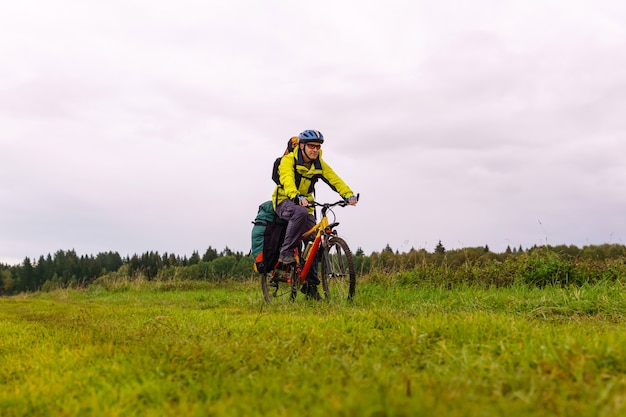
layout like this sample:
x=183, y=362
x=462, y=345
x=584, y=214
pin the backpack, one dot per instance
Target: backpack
x=268, y=234
x=291, y=145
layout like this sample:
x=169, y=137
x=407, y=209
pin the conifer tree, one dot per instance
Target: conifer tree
x=440, y=248
x=209, y=255
x=195, y=258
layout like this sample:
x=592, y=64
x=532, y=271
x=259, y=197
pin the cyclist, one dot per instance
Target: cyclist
x=298, y=172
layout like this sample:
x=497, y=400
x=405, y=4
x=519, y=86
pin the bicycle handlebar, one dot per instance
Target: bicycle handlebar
x=341, y=203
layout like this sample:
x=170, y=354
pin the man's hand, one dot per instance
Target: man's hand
x=303, y=201
x=352, y=200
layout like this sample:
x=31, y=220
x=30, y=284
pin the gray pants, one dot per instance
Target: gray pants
x=299, y=221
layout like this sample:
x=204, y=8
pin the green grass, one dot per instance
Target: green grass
x=193, y=349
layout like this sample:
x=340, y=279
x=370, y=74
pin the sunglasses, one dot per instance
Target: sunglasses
x=312, y=146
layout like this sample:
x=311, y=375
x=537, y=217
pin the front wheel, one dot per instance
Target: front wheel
x=337, y=270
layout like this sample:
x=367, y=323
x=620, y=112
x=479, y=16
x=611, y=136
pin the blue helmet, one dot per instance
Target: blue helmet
x=311, y=136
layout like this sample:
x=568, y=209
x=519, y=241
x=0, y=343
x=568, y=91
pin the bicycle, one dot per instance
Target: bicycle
x=336, y=267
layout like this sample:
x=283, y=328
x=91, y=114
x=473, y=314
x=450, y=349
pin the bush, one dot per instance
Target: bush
x=538, y=268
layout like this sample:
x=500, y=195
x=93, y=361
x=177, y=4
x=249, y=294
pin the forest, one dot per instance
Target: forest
x=538, y=265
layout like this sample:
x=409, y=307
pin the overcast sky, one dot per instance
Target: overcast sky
x=137, y=126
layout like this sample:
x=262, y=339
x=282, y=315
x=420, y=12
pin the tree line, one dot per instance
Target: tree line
x=67, y=268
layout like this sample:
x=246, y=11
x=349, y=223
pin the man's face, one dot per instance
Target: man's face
x=311, y=149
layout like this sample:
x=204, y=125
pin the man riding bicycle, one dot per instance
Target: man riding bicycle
x=298, y=173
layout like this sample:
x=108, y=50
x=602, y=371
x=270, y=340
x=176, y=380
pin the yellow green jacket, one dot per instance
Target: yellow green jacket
x=292, y=167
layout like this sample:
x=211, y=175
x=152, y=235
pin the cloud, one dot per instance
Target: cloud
x=131, y=126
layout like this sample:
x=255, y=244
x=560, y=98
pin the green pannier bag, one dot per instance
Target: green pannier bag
x=268, y=234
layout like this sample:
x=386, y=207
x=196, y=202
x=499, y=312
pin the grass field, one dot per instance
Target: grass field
x=197, y=349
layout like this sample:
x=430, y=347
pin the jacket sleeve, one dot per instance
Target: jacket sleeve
x=287, y=174
x=333, y=180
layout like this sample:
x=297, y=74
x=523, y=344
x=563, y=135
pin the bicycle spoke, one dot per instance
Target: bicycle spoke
x=337, y=270
x=280, y=286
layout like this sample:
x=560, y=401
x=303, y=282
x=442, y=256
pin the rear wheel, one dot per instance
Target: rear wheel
x=280, y=285
x=337, y=270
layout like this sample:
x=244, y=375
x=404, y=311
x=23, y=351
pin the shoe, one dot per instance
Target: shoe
x=311, y=292
x=286, y=259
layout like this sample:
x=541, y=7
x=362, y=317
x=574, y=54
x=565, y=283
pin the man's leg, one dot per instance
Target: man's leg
x=297, y=217
x=312, y=280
